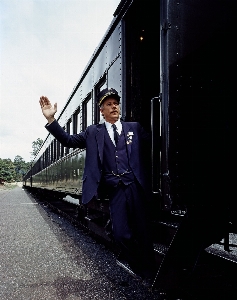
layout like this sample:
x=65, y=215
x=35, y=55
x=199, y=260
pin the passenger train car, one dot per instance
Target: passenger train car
x=172, y=62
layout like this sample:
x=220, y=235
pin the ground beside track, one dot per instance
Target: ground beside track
x=45, y=256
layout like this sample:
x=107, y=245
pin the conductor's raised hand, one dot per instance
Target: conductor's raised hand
x=47, y=109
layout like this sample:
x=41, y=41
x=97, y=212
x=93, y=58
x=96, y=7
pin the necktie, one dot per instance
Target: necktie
x=116, y=135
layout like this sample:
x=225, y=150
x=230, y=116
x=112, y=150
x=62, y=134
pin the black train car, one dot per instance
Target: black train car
x=173, y=64
x=197, y=122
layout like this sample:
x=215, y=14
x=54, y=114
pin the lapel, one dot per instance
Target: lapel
x=101, y=134
x=127, y=128
x=100, y=140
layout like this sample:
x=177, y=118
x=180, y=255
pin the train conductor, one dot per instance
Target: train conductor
x=115, y=164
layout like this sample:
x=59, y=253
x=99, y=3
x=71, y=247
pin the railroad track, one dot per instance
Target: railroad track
x=214, y=275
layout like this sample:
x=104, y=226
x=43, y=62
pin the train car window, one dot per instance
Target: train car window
x=62, y=147
x=51, y=152
x=55, y=150
x=41, y=163
x=48, y=156
x=69, y=130
x=102, y=84
x=45, y=158
x=58, y=150
x=76, y=121
x=62, y=150
x=69, y=126
x=87, y=112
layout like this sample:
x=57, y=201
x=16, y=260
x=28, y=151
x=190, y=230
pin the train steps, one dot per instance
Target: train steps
x=185, y=240
x=165, y=234
x=177, y=251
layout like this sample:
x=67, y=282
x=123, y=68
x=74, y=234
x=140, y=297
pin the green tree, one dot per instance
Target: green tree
x=21, y=167
x=36, y=145
x=7, y=170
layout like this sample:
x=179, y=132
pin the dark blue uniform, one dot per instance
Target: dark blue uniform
x=119, y=170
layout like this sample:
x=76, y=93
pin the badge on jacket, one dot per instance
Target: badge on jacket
x=129, y=137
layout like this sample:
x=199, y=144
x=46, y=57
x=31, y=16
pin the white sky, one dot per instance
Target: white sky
x=44, y=46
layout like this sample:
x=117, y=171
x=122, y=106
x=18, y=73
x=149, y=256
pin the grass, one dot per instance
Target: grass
x=8, y=185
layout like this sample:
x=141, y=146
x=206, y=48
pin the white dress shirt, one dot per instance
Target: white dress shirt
x=111, y=130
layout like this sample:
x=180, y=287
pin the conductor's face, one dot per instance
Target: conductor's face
x=110, y=110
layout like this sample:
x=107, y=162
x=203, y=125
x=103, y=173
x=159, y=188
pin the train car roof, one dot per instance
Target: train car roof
x=117, y=16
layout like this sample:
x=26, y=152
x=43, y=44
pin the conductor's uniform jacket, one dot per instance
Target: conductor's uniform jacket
x=92, y=139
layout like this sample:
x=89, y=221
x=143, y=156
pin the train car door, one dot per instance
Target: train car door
x=141, y=76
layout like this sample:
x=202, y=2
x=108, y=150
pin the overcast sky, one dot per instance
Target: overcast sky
x=44, y=46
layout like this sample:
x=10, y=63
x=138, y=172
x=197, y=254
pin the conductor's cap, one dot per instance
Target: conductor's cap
x=108, y=92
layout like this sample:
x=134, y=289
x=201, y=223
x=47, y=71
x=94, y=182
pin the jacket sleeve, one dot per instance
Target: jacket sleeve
x=67, y=140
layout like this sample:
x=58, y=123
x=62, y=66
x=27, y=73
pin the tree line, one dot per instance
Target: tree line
x=14, y=170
